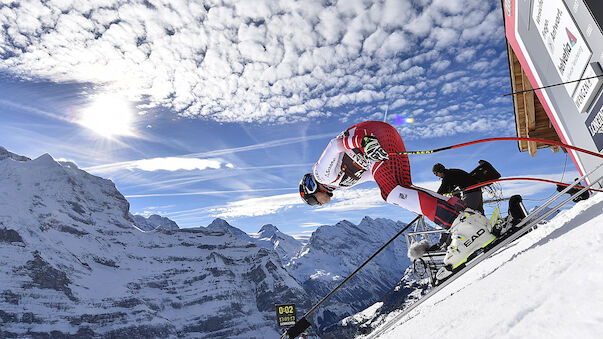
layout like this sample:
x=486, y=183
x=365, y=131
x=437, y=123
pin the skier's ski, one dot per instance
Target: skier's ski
x=523, y=227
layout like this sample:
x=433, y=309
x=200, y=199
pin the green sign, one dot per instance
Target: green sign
x=285, y=314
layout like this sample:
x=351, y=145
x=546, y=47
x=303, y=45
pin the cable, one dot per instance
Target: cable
x=553, y=85
x=543, y=141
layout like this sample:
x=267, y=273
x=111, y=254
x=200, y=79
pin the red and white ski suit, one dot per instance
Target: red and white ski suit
x=343, y=164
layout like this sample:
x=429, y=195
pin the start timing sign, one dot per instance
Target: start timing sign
x=285, y=314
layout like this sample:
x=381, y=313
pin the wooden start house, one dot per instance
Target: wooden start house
x=556, y=47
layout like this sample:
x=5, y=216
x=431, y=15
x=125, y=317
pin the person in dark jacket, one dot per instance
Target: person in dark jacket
x=454, y=179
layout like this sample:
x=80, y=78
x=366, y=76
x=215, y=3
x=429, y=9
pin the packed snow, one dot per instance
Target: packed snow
x=547, y=284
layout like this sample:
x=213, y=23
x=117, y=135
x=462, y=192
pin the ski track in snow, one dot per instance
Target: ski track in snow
x=548, y=284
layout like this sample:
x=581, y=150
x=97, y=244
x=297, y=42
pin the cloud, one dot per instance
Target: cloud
x=257, y=206
x=343, y=200
x=247, y=61
x=35, y=110
x=311, y=225
x=452, y=125
x=177, y=164
x=251, y=190
x=221, y=152
x=353, y=200
x=440, y=65
x=528, y=188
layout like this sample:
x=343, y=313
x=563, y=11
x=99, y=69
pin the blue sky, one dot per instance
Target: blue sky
x=202, y=110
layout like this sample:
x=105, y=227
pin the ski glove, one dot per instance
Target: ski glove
x=373, y=150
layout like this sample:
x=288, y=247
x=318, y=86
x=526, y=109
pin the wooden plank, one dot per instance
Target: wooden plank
x=515, y=73
x=531, y=120
x=532, y=148
x=528, y=98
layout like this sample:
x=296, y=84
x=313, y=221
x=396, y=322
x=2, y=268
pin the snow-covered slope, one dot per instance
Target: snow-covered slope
x=154, y=222
x=74, y=265
x=334, y=252
x=547, y=284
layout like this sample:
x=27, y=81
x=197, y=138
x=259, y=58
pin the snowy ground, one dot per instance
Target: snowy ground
x=548, y=284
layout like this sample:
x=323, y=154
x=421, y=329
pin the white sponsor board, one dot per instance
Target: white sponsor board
x=588, y=89
x=564, y=42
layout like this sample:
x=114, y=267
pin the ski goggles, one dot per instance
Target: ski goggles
x=307, y=187
x=310, y=185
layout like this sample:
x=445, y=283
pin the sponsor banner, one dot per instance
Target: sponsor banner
x=594, y=123
x=587, y=90
x=563, y=40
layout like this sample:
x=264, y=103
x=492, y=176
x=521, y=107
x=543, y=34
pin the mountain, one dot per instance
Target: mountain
x=154, y=222
x=74, y=265
x=269, y=237
x=285, y=245
x=221, y=224
x=5, y=154
x=335, y=251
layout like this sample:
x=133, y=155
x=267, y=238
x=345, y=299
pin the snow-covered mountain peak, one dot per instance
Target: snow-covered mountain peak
x=45, y=160
x=221, y=224
x=268, y=230
x=271, y=237
x=6, y=154
x=154, y=222
x=59, y=196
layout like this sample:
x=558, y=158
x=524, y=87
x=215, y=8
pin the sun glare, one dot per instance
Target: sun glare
x=109, y=115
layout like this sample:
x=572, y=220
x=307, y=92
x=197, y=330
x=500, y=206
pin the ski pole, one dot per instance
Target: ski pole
x=301, y=325
x=549, y=142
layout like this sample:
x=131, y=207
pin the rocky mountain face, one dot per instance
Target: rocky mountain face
x=154, y=222
x=333, y=252
x=74, y=265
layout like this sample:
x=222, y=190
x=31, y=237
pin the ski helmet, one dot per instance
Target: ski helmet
x=307, y=187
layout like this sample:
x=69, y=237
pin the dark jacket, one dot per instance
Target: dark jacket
x=454, y=179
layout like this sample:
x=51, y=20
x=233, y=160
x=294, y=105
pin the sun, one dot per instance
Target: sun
x=109, y=115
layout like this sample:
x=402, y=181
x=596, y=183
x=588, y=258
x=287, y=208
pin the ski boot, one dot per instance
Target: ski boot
x=517, y=212
x=470, y=232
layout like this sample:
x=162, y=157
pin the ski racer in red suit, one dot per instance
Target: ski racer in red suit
x=368, y=151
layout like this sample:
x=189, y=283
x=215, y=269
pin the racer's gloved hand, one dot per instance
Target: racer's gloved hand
x=373, y=150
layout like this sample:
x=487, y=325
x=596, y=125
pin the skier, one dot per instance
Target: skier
x=453, y=179
x=369, y=151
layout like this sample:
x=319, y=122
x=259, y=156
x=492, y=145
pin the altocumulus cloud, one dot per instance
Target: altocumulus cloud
x=248, y=60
